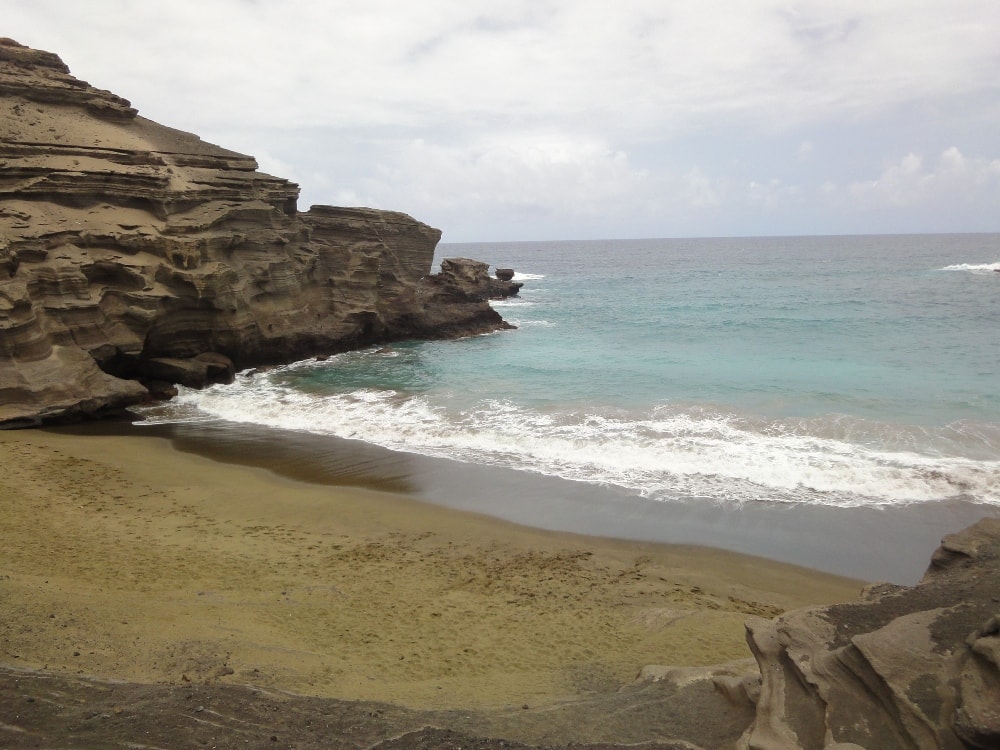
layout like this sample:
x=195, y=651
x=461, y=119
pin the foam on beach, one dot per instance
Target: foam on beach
x=673, y=452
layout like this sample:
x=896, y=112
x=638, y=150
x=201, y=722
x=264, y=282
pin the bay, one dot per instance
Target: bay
x=836, y=371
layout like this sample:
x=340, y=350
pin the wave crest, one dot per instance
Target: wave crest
x=974, y=267
x=670, y=453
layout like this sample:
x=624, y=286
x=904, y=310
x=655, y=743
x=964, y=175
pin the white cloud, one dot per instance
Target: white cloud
x=899, y=184
x=953, y=181
x=639, y=67
x=271, y=164
x=517, y=174
x=561, y=110
x=698, y=190
x=773, y=195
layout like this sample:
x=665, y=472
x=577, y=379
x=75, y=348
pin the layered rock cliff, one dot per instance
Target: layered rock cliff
x=131, y=252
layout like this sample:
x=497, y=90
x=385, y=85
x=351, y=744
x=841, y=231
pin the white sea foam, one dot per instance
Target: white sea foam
x=974, y=267
x=518, y=276
x=511, y=302
x=533, y=323
x=669, y=453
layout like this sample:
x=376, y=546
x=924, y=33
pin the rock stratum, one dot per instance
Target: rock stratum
x=133, y=255
x=904, y=668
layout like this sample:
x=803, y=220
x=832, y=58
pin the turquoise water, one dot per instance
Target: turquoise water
x=836, y=371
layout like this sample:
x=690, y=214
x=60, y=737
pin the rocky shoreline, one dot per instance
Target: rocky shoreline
x=133, y=255
x=907, y=667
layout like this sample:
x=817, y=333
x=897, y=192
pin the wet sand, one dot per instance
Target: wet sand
x=874, y=544
x=123, y=557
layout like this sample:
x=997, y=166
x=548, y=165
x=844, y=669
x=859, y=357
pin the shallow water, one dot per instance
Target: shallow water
x=827, y=372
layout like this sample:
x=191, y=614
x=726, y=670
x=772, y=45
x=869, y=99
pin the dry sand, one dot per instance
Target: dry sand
x=128, y=559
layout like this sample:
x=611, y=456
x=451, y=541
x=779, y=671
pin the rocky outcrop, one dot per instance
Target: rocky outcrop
x=129, y=251
x=471, y=279
x=467, y=280
x=904, y=668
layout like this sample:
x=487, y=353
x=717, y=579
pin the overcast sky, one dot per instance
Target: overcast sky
x=572, y=119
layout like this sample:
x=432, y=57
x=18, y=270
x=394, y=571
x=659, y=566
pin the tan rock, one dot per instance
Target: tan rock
x=144, y=247
x=904, y=668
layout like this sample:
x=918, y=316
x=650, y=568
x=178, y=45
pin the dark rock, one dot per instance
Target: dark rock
x=194, y=372
x=132, y=250
x=220, y=368
x=470, y=280
x=977, y=718
x=503, y=289
x=160, y=389
x=648, y=715
x=504, y=274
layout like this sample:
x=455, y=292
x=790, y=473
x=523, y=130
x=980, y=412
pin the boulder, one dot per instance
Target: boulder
x=194, y=372
x=903, y=668
x=63, y=385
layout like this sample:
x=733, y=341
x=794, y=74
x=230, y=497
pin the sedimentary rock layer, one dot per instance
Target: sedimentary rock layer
x=131, y=252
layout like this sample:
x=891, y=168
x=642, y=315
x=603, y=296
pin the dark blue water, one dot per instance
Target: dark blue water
x=834, y=371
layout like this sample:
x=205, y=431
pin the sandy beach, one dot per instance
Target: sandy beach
x=126, y=558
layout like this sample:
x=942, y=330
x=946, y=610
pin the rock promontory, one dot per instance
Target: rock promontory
x=132, y=253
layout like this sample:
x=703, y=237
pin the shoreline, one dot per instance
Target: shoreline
x=130, y=559
x=891, y=544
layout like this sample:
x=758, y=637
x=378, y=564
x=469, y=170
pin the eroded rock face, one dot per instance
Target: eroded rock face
x=471, y=279
x=143, y=247
x=905, y=668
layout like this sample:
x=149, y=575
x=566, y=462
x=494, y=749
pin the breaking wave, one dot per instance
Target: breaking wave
x=671, y=452
x=974, y=267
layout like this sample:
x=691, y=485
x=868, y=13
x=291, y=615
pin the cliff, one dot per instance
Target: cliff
x=132, y=253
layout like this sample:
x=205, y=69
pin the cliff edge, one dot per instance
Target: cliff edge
x=133, y=255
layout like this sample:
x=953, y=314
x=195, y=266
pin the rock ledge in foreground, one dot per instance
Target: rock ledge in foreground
x=905, y=668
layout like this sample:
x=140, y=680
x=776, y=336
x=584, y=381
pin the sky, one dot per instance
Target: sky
x=575, y=119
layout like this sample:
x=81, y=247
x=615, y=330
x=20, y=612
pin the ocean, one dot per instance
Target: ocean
x=824, y=372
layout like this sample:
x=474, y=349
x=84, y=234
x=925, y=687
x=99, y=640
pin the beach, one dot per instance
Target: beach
x=125, y=558
x=331, y=483
x=824, y=401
